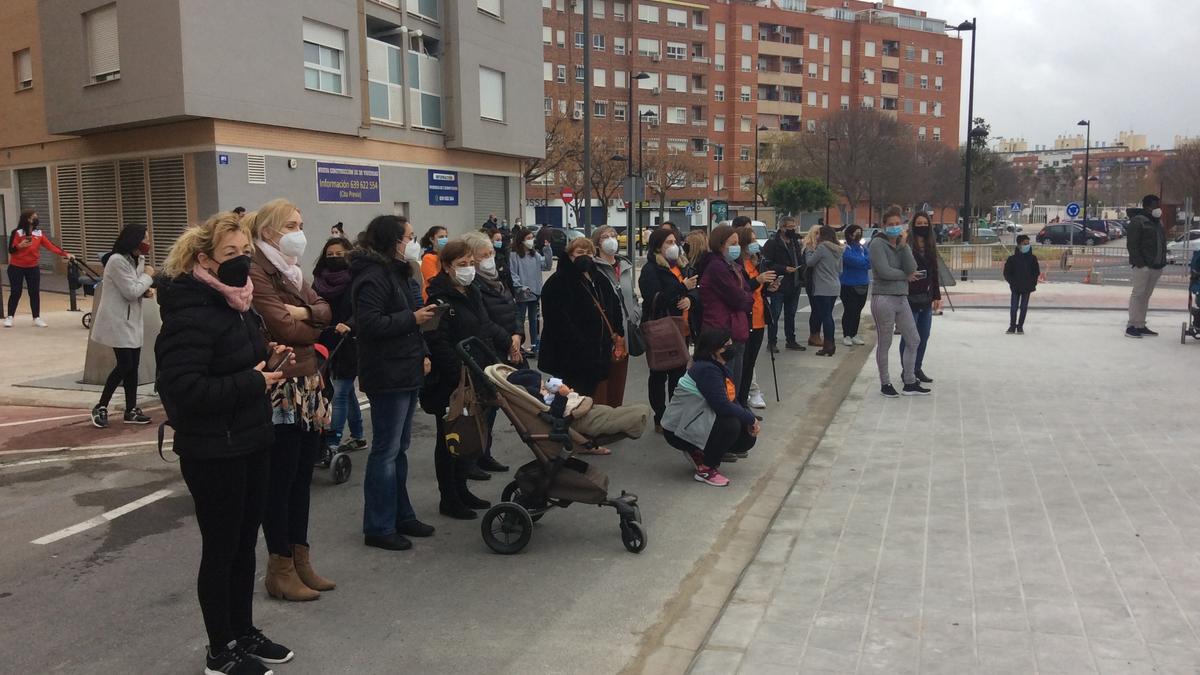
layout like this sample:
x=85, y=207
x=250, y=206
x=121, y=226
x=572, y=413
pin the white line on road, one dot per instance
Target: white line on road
x=43, y=419
x=66, y=458
x=105, y=517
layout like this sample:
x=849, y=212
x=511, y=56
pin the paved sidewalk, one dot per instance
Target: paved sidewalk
x=1040, y=513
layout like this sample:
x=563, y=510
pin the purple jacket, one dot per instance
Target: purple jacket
x=725, y=297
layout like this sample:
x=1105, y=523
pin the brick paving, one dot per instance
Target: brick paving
x=1040, y=513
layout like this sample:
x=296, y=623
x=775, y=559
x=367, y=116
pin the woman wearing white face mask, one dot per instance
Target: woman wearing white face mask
x=665, y=292
x=618, y=271
x=293, y=315
x=526, y=266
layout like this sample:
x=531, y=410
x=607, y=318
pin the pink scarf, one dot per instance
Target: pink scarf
x=237, y=298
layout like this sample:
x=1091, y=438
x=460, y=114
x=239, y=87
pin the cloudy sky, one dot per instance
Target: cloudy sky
x=1042, y=65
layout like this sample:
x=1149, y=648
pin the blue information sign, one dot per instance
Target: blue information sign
x=1072, y=209
x=443, y=188
x=222, y=159
x=1015, y=207
x=347, y=183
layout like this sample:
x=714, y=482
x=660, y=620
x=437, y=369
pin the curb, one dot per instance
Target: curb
x=671, y=645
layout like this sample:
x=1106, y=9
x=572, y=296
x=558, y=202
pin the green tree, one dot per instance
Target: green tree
x=798, y=195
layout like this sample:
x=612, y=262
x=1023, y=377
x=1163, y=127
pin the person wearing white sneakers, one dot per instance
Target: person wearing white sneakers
x=118, y=319
x=856, y=282
x=24, y=248
x=704, y=419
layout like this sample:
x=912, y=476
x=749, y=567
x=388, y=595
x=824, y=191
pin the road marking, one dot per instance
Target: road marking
x=43, y=419
x=67, y=458
x=105, y=517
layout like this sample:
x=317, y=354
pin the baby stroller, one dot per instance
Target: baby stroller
x=80, y=276
x=1191, y=327
x=555, y=478
x=336, y=460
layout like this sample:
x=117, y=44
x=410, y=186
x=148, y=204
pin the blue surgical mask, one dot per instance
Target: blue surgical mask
x=497, y=244
x=754, y=248
x=441, y=241
x=893, y=230
x=1026, y=248
x=733, y=253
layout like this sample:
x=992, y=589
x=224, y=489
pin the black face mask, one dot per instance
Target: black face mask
x=336, y=263
x=34, y=223
x=728, y=353
x=583, y=263
x=791, y=233
x=235, y=271
x=921, y=229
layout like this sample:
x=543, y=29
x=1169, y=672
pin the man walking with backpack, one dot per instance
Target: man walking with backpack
x=1147, y=244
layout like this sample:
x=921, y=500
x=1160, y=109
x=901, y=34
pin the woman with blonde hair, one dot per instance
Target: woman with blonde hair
x=808, y=246
x=292, y=315
x=215, y=375
x=617, y=270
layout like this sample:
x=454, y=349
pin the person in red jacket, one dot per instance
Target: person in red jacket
x=23, y=251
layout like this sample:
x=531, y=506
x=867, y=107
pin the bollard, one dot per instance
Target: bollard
x=964, y=275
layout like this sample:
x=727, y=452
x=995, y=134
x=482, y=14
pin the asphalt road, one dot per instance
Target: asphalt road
x=120, y=596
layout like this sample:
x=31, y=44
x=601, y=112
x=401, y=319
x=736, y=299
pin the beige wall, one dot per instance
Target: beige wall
x=22, y=113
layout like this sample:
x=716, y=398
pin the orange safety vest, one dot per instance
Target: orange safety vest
x=757, y=315
x=679, y=275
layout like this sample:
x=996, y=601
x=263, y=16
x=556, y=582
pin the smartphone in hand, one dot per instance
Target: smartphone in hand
x=278, y=361
x=921, y=274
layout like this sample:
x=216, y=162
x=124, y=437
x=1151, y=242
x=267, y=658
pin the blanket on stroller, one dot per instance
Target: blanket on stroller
x=587, y=417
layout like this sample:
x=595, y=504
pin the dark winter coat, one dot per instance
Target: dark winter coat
x=657, y=281
x=1146, y=240
x=467, y=316
x=931, y=285
x=726, y=296
x=206, y=353
x=391, y=351
x=576, y=342
x=271, y=293
x=1021, y=271
x=334, y=288
x=781, y=252
x=498, y=300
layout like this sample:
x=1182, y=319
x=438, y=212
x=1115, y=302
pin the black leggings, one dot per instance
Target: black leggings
x=125, y=372
x=852, y=307
x=727, y=435
x=451, y=471
x=292, y=458
x=229, y=495
x=662, y=385
x=749, y=358
x=31, y=277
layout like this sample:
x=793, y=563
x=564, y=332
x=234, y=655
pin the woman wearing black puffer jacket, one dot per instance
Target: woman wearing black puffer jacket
x=464, y=316
x=213, y=380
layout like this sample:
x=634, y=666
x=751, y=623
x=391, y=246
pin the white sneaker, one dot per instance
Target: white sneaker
x=756, y=400
x=859, y=341
x=37, y=321
x=848, y=341
x=8, y=322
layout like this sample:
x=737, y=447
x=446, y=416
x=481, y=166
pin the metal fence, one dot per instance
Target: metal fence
x=1090, y=264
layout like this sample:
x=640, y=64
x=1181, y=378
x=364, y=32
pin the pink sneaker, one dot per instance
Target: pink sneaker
x=710, y=476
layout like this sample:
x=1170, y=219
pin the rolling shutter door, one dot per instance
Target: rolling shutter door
x=491, y=196
x=33, y=192
x=168, y=205
x=100, y=211
x=132, y=175
x=70, y=213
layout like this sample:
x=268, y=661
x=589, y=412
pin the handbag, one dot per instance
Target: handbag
x=920, y=300
x=466, y=431
x=619, y=352
x=666, y=348
x=633, y=336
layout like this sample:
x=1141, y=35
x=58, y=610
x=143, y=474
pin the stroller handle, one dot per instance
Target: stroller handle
x=473, y=351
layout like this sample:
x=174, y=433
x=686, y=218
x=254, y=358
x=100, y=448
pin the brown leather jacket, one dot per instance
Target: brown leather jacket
x=271, y=293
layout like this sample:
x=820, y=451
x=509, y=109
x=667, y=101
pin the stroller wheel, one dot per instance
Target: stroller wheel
x=341, y=468
x=507, y=528
x=86, y=320
x=633, y=535
x=512, y=493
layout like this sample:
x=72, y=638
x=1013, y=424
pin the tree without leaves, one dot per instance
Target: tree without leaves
x=668, y=170
x=1180, y=174
x=793, y=196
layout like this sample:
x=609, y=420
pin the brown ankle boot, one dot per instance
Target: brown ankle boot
x=305, y=571
x=283, y=583
x=814, y=340
x=828, y=347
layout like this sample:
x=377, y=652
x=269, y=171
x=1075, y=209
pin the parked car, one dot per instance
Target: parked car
x=559, y=236
x=1180, y=249
x=1007, y=226
x=1079, y=235
x=984, y=235
x=1115, y=230
x=949, y=232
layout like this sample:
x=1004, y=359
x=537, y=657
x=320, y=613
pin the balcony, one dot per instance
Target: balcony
x=781, y=78
x=890, y=62
x=699, y=59
x=793, y=49
x=780, y=108
x=890, y=89
x=699, y=90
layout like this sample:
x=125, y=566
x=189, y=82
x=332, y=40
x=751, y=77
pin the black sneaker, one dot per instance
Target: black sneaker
x=922, y=377
x=414, y=528
x=233, y=661
x=1145, y=330
x=477, y=473
x=100, y=417
x=388, y=542
x=1131, y=332
x=1020, y=330
x=741, y=455
x=257, y=645
x=915, y=389
x=1011, y=330
x=888, y=391
x=489, y=463
x=135, y=416
x=796, y=346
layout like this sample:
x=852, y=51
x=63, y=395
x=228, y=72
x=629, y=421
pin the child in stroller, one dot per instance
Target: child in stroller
x=588, y=418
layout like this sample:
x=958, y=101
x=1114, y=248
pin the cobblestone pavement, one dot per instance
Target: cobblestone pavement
x=1039, y=513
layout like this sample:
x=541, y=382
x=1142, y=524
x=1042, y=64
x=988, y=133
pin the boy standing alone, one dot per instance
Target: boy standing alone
x=1021, y=271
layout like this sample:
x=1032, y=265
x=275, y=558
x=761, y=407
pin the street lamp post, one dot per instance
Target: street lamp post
x=648, y=118
x=587, y=117
x=829, y=140
x=966, y=230
x=629, y=156
x=1087, y=149
x=756, y=183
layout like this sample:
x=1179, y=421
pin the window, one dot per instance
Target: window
x=491, y=94
x=677, y=83
x=868, y=102
x=810, y=126
x=619, y=111
x=577, y=109
x=718, y=123
x=924, y=56
x=718, y=92
x=939, y=58
x=579, y=40
x=648, y=112
x=599, y=108
x=489, y=7
x=23, y=69
x=547, y=106
x=104, y=53
x=923, y=107
x=937, y=82
x=908, y=80
x=324, y=46
x=648, y=47
x=937, y=109
x=812, y=68
x=845, y=74
x=579, y=73
x=677, y=18
x=647, y=13
x=937, y=133
x=598, y=12
x=869, y=48
x=547, y=4
x=426, y=8
x=813, y=41
x=825, y=100
x=650, y=82
x=745, y=124
x=825, y=73
x=547, y=35
x=620, y=10
x=718, y=154
x=559, y=4
x=424, y=78
x=868, y=76
x=844, y=104
x=385, y=81
x=598, y=41
x=719, y=61
x=677, y=51
x=845, y=48
x=746, y=63
x=719, y=30
x=618, y=45
x=745, y=93
x=561, y=38
x=562, y=107
x=698, y=20
x=825, y=45
x=747, y=32
x=547, y=71
x=677, y=115
x=744, y=153
x=812, y=98
x=560, y=74
x=676, y=146
x=598, y=77
x=910, y=53
x=619, y=79
x=908, y=106
x=921, y=133
x=924, y=81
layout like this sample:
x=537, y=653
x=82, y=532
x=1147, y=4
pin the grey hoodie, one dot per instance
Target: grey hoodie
x=826, y=264
x=890, y=266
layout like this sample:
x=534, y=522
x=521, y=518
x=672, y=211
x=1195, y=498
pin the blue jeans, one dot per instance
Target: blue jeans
x=385, y=485
x=783, y=304
x=530, y=309
x=345, y=408
x=822, y=313
x=924, y=319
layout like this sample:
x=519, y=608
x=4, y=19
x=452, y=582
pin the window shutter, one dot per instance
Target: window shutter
x=132, y=176
x=103, y=47
x=490, y=6
x=24, y=69
x=256, y=169
x=324, y=34
x=168, y=204
x=491, y=94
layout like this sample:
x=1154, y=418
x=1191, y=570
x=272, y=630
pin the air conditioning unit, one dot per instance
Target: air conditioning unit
x=655, y=58
x=576, y=114
x=656, y=91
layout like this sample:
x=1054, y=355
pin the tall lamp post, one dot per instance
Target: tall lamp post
x=587, y=117
x=757, y=129
x=1087, y=149
x=829, y=141
x=629, y=155
x=966, y=229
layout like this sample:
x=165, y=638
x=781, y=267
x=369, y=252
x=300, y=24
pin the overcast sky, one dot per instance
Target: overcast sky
x=1043, y=65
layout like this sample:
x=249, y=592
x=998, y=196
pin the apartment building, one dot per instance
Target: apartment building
x=165, y=111
x=721, y=70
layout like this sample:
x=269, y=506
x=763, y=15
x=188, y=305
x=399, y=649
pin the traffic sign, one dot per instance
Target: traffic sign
x=1072, y=209
x=1015, y=207
x=568, y=195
